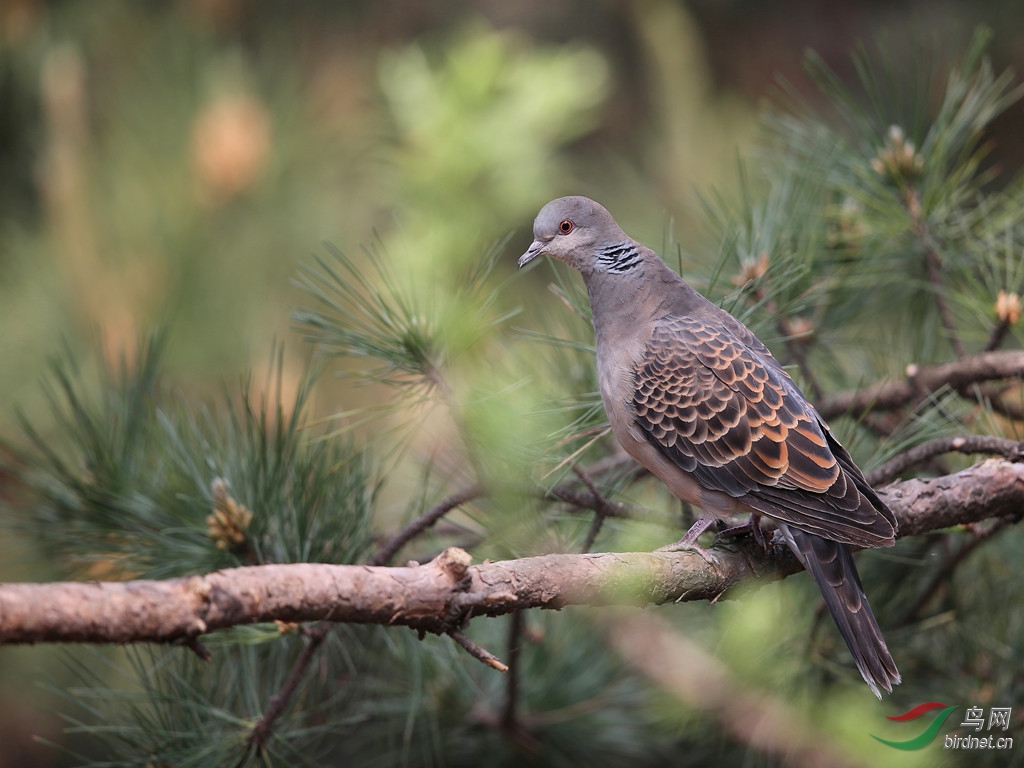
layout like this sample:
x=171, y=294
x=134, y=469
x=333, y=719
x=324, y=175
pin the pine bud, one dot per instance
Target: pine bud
x=847, y=225
x=231, y=143
x=227, y=524
x=801, y=329
x=1008, y=307
x=898, y=159
x=751, y=269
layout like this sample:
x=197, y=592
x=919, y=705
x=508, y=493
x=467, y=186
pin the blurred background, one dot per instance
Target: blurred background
x=173, y=163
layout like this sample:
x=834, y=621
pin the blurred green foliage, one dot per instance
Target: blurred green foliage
x=477, y=139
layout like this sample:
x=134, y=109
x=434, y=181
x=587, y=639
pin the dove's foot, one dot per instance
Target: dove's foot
x=689, y=541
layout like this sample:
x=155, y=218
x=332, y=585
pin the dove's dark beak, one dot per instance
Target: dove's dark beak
x=535, y=250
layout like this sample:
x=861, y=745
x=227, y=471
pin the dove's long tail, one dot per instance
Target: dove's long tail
x=831, y=565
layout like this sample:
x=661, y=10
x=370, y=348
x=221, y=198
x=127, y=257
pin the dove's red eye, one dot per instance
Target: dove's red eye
x=566, y=227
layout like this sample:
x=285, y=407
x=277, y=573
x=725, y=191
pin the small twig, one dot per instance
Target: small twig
x=424, y=521
x=510, y=723
x=568, y=493
x=577, y=498
x=279, y=701
x=602, y=508
x=981, y=533
x=614, y=463
x=995, y=341
x=995, y=446
x=595, y=528
x=515, y=636
x=933, y=267
x=474, y=650
x=198, y=648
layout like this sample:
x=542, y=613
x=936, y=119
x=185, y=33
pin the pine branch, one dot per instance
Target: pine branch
x=958, y=375
x=444, y=594
x=968, y=444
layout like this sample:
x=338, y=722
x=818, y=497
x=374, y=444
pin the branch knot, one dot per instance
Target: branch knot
x=455, y=562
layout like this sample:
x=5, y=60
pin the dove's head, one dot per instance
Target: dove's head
x=572, y=229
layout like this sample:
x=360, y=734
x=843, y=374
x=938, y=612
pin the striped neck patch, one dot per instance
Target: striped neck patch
x=618, y=258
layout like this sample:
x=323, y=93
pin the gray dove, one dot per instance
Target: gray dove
x=698, y=400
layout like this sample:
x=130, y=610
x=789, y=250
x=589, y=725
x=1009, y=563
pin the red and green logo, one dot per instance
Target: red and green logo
x=926, y=736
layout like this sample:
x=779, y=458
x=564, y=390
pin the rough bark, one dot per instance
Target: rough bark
x=444, y=594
